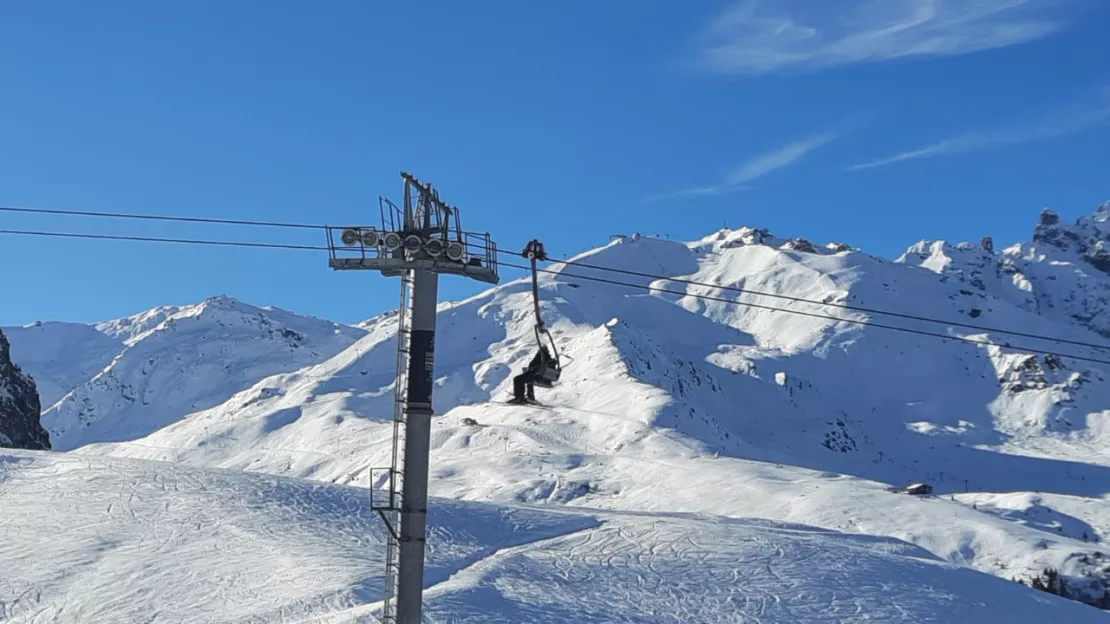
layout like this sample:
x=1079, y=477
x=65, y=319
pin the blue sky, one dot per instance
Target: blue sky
x=874, y=122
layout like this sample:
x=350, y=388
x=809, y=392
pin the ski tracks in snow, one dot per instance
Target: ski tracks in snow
x=92, y=539
x=674, y=568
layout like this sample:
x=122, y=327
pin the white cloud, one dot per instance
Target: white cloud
x=750, y=39
x=1057, y=124
x=783, y=156
x=759, y=166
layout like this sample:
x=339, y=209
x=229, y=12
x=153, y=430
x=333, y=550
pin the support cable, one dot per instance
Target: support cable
x=607, y=281
x=124, y=215
x=157, y=239
x=843, y=306
x=867, y=323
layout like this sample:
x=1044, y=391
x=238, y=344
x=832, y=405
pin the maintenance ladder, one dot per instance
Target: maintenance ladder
x=388, y=502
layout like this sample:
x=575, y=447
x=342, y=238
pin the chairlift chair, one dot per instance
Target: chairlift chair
x=550, y=368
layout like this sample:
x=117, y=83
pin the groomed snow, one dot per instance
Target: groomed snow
x=94, y=540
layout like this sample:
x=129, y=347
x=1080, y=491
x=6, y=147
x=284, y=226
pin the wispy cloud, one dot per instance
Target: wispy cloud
x=759, y=166
x=762, y=36
x=783, y=156
x=1059, y=123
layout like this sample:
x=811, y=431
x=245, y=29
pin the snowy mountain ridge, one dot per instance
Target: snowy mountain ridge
x=671, y=402
x=172, y=361
x=1062, y=274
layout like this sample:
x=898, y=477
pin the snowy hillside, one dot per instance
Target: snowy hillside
x=673, y=403
x=139, y=540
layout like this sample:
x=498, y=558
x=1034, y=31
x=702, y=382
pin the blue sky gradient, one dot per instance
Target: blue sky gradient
x=877, y=124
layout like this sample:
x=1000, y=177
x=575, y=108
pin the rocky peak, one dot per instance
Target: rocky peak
x=1100, y=219
x=1088, y=236
x=1048, y=217
x=1050, y=231
x=19, y=406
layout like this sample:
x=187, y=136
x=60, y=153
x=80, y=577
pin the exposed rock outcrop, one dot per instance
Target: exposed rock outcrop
x=19, y=406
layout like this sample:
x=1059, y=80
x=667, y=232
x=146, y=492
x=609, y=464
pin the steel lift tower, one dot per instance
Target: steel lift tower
x=417, y=242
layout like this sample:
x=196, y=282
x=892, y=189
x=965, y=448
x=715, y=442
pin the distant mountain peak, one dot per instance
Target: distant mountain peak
x=231, y=304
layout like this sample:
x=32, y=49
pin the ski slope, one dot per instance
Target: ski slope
x=95, y=540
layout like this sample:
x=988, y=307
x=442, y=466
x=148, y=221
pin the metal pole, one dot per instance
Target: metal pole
x=418, y=430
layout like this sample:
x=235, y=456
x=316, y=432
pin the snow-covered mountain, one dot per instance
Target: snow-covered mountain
x=675, y=403
x=154, y=368
x=19, y=405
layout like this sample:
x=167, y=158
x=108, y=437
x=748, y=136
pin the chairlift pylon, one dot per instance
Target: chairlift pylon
x=550, y=368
